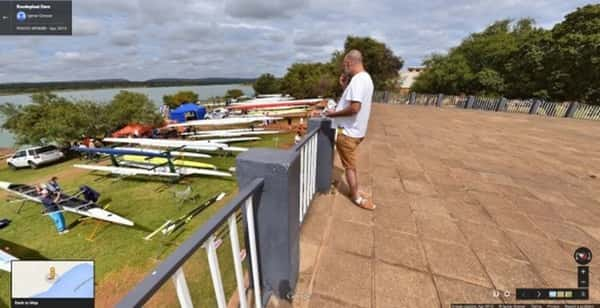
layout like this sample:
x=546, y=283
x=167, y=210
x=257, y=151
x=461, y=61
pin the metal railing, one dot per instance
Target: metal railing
x=453, y=100
x=205, y=238
x=537, y=107
x=426, y=99
x=308, y=170
x=549, y=109
x=587, y=112
x=267, y=178
x=390, y=97
x=485, y=103
x=518, y=106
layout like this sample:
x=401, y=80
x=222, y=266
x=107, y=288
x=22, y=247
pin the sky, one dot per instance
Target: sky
x=146, y=39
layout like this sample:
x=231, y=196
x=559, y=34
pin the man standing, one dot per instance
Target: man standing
x=352, y=118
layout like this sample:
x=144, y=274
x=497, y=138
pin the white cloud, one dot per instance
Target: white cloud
x=263, y=9
x=142, y=39
x=85, y=26
x=124, y=38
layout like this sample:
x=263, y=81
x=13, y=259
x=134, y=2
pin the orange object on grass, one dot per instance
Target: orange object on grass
x=134, y=129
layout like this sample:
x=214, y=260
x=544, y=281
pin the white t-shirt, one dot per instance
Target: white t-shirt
x=360, y=90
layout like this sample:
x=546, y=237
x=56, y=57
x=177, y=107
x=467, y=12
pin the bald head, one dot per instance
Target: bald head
x=354, y=56
x=353, y=63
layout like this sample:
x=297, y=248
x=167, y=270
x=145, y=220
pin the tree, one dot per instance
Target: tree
x=575, y=56
x=309, y=80
x=266, y=84
x=445, y=74
x=503, y=59
x=379, y=60
x=234, y=93
x=132, y=107
x=520, y=60
x=175, y=100
x=51, y=118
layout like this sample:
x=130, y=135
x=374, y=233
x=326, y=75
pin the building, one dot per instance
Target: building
x=407, y=78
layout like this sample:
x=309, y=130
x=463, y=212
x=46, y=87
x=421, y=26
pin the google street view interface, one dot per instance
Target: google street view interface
x=250, y=153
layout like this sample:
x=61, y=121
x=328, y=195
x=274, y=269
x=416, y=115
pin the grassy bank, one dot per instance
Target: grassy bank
x=121, y=255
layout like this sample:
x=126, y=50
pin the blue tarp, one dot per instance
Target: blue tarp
x=187, y=112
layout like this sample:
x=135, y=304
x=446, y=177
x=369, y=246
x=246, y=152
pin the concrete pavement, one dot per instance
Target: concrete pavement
x=468, y=202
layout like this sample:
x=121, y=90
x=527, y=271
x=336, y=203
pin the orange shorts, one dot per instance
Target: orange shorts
x=346, y=147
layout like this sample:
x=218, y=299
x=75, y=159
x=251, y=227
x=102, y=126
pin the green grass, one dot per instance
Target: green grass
x=122, y=257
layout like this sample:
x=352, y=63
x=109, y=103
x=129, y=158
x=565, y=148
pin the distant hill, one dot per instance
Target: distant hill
x=27, y=87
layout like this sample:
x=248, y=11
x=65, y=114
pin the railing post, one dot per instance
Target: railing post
x=276, y=216
x=571, y=109
x=385, y=96
x=501, y=105
x=535, y=106
x=440, y=100
x=470, y=102
x=412, y=99
x=325, y=141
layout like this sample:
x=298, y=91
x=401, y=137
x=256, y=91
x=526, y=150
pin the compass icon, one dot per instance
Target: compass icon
x=583, y=255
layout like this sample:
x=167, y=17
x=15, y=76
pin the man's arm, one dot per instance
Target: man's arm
x=351, y=110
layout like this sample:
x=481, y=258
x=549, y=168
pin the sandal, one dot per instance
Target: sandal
x=364, y=194
x=365, y=203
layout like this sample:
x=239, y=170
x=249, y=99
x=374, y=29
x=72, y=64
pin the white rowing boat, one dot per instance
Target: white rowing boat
x=298, y=102
x=225, y=121
x=126, y=171
x=239, y=134
x=206, y=145
x=173, y=153
x=67, y=203
x=223, y=131
x=137, y=169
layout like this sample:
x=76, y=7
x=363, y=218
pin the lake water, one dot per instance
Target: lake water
x=105, y=95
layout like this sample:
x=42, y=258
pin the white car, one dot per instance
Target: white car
x=35, y=157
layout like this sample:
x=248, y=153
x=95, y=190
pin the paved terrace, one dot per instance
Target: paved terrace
x=468, y=202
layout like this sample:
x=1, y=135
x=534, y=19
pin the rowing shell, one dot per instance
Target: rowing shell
x=68, y=204
x=173, y=153
x=235, y=134
x=187, y=144
x=223, y=131
x=141, y=169
x=248, y=106
x=126, y=171
x=163, y=161
x=226, y=121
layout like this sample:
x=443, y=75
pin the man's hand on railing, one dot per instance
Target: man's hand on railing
x=317, y=113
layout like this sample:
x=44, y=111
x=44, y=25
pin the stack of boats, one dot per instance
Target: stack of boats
x=175, y=157
x=275, y=105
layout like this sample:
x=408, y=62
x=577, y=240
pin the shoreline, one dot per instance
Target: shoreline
x=8, y=93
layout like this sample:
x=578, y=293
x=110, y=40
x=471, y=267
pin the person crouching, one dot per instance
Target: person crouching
x=53, y=210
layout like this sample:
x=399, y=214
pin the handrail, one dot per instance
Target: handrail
x=146, y=289
x=305, y=139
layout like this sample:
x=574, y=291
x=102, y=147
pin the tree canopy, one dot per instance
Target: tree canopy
x=309, y=80
x=321, y=79
x=520, y=60
x=175, y=100
x=52, y=118
x=378, y=59
x=234, y=93
x=266, y=84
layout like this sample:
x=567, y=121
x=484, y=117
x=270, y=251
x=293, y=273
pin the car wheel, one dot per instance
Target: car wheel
x=12, y=167
x=33, y=165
